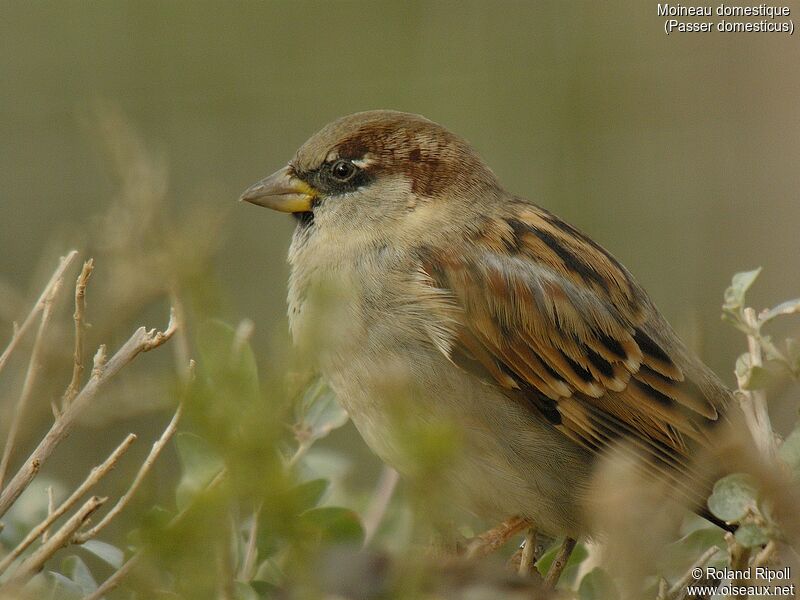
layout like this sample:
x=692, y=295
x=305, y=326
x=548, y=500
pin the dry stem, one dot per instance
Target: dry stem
x=78, y=318
x=559, y=562
x=142, y=340
x=528, y=553
x=34, y=364
x=679, y=589
x=34, y=563
x=114, y=580
x=95, y=475
x=754, y=402
x=158, y=446
x=19, y=331
x=491, y=540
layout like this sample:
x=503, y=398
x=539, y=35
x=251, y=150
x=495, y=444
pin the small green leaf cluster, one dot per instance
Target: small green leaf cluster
x=734, y=310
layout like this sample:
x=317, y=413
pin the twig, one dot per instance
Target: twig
x=663, y=589
x=765, y=554
x=158, y=446
x=95, y=475
x=34, y=364
x=755, y=401
x=77, y=317
x=679, y=589
x=19, y=331
x=739, y=558
x=491, y=540
x=34, y=563
x=559, y=562
x=142, y=340
x=380, y=502
x=114, y=580
x=51, y=507
x=528, y=553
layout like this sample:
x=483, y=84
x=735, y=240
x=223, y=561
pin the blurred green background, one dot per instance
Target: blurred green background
x=679, y=154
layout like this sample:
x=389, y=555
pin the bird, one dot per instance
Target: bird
x=428, y=292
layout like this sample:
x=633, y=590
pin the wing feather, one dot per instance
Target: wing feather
x=552, y=318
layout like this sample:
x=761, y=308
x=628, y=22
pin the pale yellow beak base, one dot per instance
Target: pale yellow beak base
x=281, y=191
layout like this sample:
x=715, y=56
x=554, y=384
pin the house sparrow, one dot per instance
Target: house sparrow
x=483, y=310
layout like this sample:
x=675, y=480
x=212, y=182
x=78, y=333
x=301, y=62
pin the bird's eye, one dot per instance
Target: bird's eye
x=343, y=170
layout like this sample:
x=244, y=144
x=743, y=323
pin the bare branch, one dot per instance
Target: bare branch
x=142, y=340
x=80, y=309
x=489, y=541
x=680, y=588
x=158, y=446
x=754, y=402
x=34, y=563
x=95, y=475
x=51, y=507
x=528, y=553
x=113, y=581
x=559, y=562
x=765, y=554
x=34, y=364
x=19, y=331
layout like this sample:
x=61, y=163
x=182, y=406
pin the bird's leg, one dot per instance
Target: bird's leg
x=559, y=562
x=489, y=541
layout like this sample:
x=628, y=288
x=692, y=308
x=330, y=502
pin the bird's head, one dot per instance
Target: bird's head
x=371, y=168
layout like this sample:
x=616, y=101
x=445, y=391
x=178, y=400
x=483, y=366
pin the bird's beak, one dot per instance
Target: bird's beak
x=281, y=191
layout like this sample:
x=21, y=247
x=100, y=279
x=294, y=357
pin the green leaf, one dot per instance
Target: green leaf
x=753, y=377
x=74, y=568
x=200, y=464
x=243, y=591
x=758, y=378
x=333, y=524
x=268, y=573
x=732, y=497
x=265, y=590
x=597, y=585
x=751, y=535
x=227, y=361
x=784, y=308
x=790, y=451
x=105, y=552
x=308, y=494
x=319, y=413
x=735, y=294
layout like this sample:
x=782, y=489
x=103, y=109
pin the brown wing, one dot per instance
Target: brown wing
x=551, y=317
